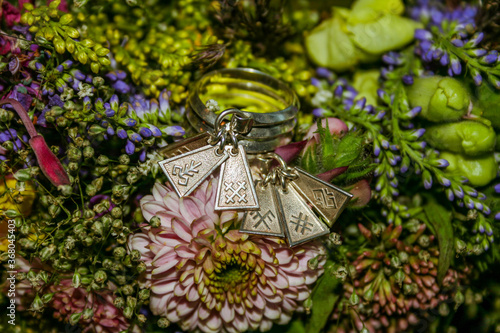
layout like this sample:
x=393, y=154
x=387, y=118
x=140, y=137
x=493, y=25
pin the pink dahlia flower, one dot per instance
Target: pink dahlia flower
x=206, y=275
x=106, y=318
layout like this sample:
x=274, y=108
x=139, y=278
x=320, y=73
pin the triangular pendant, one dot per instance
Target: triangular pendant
x=186, y=172
x=235, y=189
x=327, y=200
x=185, y=146
x=264, y=221
x=300, y=222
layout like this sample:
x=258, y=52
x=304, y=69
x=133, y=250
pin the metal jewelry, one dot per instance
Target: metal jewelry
x=202, y=154
x=288, y=194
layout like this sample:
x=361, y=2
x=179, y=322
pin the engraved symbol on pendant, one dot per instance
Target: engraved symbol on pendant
x=301, y=222
x=188, y=171
x=324, y=198
x=262, y=218
x=236, y=192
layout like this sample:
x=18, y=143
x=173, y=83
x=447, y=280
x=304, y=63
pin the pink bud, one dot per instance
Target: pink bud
x=335, y=125
x=48, y=162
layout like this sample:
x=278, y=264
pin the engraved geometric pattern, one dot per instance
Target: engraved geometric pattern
x=186, y=172
x=235, y=192
x=301, y=223
x=256, y=216
x=326, y=199
x=235, y=189
x=264, y=221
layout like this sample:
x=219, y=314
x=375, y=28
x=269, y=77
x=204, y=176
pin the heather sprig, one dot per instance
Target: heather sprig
x=449, y=40
x=62, y=36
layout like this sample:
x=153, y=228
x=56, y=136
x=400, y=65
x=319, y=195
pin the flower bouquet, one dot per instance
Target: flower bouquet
x=398, y=108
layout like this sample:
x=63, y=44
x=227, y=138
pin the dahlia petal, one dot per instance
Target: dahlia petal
x=265, y=325
x=151, y=208
x=280, y=281
x=303, y=295
x=191, y=208
x=296, y=280
x=171, y=200
x=192, y=295
x=202, y=223
x=183, y=251
x=184, y=309
x=163, y=288
x=284, y=256
x=165, y=265
x=181, y=230
x=227, y=312
x=160, y=191
x=214, y=322
x=241, y=323
x=272, y=311
x=203, y=312
x=159, y=304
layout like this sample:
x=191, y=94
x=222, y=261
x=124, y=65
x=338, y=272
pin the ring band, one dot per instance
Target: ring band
x=275, y=104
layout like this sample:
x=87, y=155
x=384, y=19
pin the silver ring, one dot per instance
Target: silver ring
x=247, y=88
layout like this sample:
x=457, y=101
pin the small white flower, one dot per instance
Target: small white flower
x=212, y=105
x=321, y=97
x=85, y=90
x=67, y=94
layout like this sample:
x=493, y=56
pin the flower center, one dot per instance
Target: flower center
x=231, y=275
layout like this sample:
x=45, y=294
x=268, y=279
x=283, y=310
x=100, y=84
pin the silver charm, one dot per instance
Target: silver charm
x=235, y=189
x=294, y=191
x=266, y=220
x=186, y=172
x=301, y=225
x=201, y=157
x=327, y=200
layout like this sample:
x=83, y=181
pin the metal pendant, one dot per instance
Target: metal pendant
x=185, y=146
x=327, y=200
x=264, y=221
x=186, y=172
x=236, y=189
x=300, y=222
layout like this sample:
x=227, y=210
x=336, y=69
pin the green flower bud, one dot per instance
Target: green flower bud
x=102, y=160
x=128, y=289
x=75, y=318
x=74, y=154
x=480, y=170
x=54, y=210
x=155, y=222
x=47, y=252
x=117, y=224
x=471, y=138
x=119, y=252
x=131, y=301
x=72, y=32
x=94, y=67
x=119, y=302
x=163, y=323
x=100, y=276
x=128, y=312
x=144, y=294
x=87, y=313
x=116, y=212
x=442, y=99
x=424, y=241
x=141, y=267
x=47, y=297
x=142, y=318
x=135, y=255
x=124, y=159
x=354, y=299
x=88, y=241
x=66, y=19
x=60, y=45
x=37, y=304
x=88, y=152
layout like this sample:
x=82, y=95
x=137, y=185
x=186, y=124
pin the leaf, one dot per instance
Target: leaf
x=323, y=300
x=438, y=219
x=349, y=149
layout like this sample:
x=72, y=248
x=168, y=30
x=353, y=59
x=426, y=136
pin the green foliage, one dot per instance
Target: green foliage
x=439, y=220
x=324, y=299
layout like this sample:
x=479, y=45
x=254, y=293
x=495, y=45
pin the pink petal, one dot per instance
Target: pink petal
x=335, y=125
x=362, y=193
x=182, y=230
x=227, y=312
x=329, y=175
